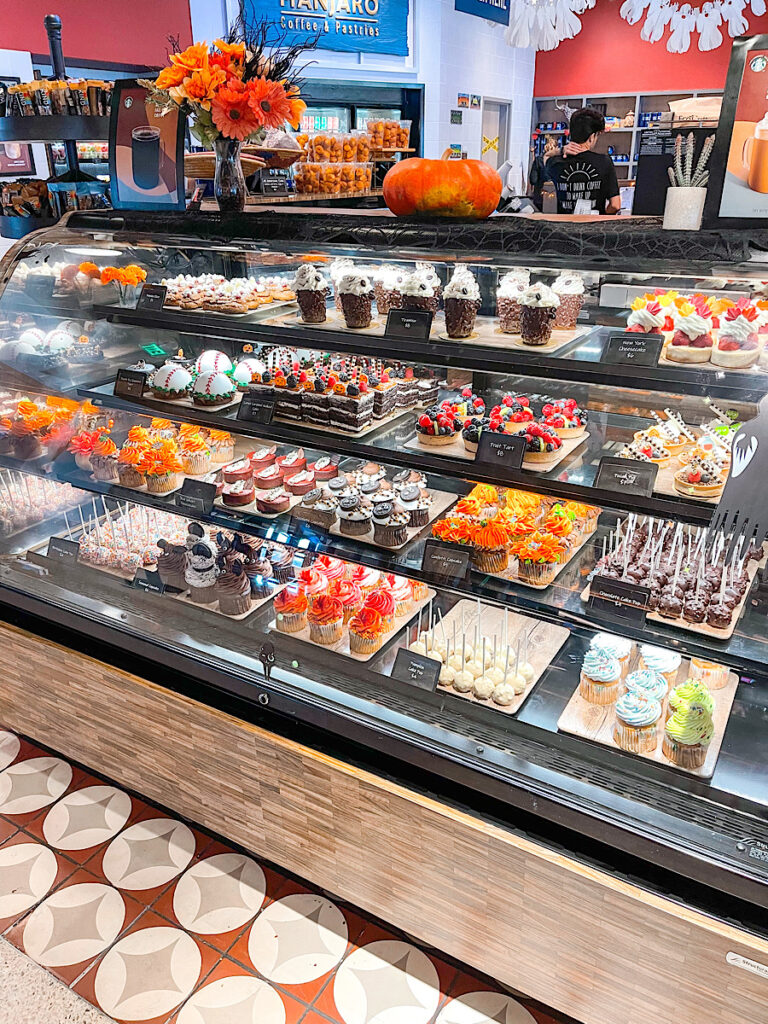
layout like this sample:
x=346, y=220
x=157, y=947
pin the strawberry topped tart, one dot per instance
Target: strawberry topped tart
x=564, y=417
x=541, y=443
x=738, y=344
x=692, y=341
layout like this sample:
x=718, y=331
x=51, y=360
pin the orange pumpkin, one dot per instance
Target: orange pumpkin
x=442, y=188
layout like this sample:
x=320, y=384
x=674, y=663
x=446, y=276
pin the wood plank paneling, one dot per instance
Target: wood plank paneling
x=574, y=937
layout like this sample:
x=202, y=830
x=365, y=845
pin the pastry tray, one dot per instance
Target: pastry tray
x=456, y=450
x=267, y=307
x=544, y=641
x=702, y=628
x=187, y=403
x=595, y=722
x=342, y=646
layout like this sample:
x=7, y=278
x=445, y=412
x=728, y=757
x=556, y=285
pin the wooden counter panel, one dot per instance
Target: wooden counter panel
x=572, y=936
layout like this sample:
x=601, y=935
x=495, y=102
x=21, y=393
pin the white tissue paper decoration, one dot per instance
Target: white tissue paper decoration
x=688, y=20
x=544, y=24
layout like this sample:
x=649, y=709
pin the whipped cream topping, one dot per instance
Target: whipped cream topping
x=308, y=278
x=692, y=325
x=427, y=271
x=645, y=319
x=513, y=283
x=389, y=276
x=354, y=284
x=539, y=294
x=339, y=268
x=569, y=283
x=462, y=285
x=739, y=328
x=419, y=285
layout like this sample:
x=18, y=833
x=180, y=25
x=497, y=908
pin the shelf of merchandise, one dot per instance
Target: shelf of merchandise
x=579, y=361
x=55, y=128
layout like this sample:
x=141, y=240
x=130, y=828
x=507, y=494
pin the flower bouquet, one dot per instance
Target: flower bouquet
x=233, y=92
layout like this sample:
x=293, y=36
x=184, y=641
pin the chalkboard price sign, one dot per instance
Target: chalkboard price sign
x=416, y=669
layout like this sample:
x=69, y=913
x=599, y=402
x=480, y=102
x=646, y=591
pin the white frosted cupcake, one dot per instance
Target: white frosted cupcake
x=661, y=660
x=619, y=647
x=636, y=725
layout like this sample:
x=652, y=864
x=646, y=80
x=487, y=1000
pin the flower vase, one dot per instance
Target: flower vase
x=683, y=208
x=129, y=294
x=229, y=183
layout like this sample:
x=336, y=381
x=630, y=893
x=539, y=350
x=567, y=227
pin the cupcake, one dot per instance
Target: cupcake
x=366, y=631
x=311, y=289
x=222, y=446
x=402, y=592
x=659, y=659
x=511, y=287
x=386, y=288
x=291, y=610
x=162, y=430
x=685, y=693
x=600, y=675
x=635, y=728
x=172, y=564
x=419, y=292
x=416, y=502
x=382, y=602
x=258, y=569
x=355, y=515
x=538, y=309
x=326, y=511
x=367, y=579
x=127, y=467
x=569, y=288
x=81, y=446
x=201, y=573
x=282, y=563
x=104, y=460
x=462, y=301
x=647, y=683
x=332, y=568
x=195, y=455
x=233, y=589
x=161, y=468
x=350, y=596
x=618, y=647
x=688, y=734
x=390, y=524
x=326, y=619
x=711, y=673
x=538, y=557
x=312, y=581
x=490, y=548
x=356, y=296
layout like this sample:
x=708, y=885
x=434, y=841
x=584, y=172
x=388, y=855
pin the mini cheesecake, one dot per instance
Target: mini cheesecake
x=241, y=492
x=240, y=470
x=273, y=501
x=267, y=478
x=291, y=463
x=300, y=482
x=324, y=469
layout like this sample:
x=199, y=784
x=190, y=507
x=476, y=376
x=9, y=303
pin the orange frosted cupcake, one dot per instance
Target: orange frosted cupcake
x=104, y=460
x=222, y=446
x=195, y=454
x=138, y=437
x=161, y=467
x=538, y=557
x=128, y=467
x=162, y=429
x=490, y=548
x=366, y=630
x=326, y=619
x=350, y=596
x=291, y=610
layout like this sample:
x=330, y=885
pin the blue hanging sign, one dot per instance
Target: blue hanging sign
x=355, y=26
x=491, y=10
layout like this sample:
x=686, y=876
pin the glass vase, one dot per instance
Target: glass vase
x=229, y=183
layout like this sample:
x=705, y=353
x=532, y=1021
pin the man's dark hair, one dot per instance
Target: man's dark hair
x=585, y=122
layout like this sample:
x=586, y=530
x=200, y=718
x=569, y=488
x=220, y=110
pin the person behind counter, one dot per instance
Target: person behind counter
x=539, y=172
x=585, y=182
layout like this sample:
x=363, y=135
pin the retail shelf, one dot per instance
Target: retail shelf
x=581, y=360
x=54, y=128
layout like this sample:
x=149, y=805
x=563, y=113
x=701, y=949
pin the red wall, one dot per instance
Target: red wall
x=120, y=31
x=608, y=56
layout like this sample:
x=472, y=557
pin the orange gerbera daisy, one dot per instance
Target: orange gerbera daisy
x=232, y=113
x=269, y=102
x=297, y=106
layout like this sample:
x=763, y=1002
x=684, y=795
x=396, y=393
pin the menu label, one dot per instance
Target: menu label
x=448, y=562
x=63, y=549
x=619, y=599
x=257, y=406
x=630, y=476
x=501, y=450
x=196, y=496
x=148, y=581
x=130, y=383
x=152, y=296
x=416, y=669
x=633, y=349
x=409, y=323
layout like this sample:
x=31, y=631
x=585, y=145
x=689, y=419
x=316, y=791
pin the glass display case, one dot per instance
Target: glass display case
x=455, y=510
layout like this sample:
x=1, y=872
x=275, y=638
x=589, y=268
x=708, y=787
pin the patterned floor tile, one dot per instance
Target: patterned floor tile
x=74, y=925
x=483, y=1007
x=298, y=941
x=232, y=995
x=148, y=855
x=216, y=897
x=28, y=872
x=27, y=786
x=84, y=819
x=148, y=972
x=10, y=747
x=7, y=829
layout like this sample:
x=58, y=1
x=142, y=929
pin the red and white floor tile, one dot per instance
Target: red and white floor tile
x=154, y=921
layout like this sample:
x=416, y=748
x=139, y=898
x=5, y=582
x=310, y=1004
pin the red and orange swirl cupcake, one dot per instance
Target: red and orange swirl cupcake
x=366, y=631
x=332, y=568
x=383, y=602
x=326, y=619
x=350, y=596
x=312, y=581
x=291, y=610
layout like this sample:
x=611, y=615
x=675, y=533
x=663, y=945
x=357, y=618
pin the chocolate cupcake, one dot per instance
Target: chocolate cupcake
x=311, y=290
x=233, y=589
x=172, y=564
x=390, y=525
x=538, y=309
x=355, y=516
x=462, y=301
x=356, y=296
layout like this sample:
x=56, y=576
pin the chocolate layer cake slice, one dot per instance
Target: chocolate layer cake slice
x=385, y=395
x=351, y=412
x=288, y=403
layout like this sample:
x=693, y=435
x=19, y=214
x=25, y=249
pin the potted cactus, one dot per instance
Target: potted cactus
x=688, y=185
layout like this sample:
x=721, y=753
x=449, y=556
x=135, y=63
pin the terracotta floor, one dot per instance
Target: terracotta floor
x=152, y=919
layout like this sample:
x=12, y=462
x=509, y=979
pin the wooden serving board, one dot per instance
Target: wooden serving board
x=356, y=434
x=702, y=628
x=187, y=403
x=544, y=641
x=456, y=450
x=595, y=722
x=267, y=307
x=487, y=332
x=342, y=646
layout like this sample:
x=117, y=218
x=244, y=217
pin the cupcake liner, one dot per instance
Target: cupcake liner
x=386, y=299
x=509, y=315
x=172, y=579
x=363, y=645
x=685, y=755
x=235, y=604
x=568, y=311
x=221, y=456
x=291, y=622
x=490, y=559
x=403, y=608
x=196, y=463
x=326, y=632
x=354, y=527
x=162, y=484
x=390, y=536
x=537, y=572
x=598, y=693
x=418, y=517
x=203, y=595
x=129, y=476
x=104, y=469
x=638, y=739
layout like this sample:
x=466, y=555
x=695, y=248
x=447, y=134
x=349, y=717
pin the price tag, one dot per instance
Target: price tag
x=633, y=349
x=130, y=383
x=148, y=581
x=630, y=476
x=273, y=183
x=196, y=496
x=416, y=670
x=257, y=406
x=448, y=562
x=619, y=599
x=409, y=323
x=501, y=450
x=64, y=550
x=152, y=297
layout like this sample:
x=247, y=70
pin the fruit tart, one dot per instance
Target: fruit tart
x=438, y=425
x=701, y=478
x=692, y=341
x=474, y=427
x=541, y=443
x=738, y=344
x=648, y=446
x=564, y=417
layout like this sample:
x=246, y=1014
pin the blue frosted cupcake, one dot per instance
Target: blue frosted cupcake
x=636, y=725
x=647, y=683
x=600, y=675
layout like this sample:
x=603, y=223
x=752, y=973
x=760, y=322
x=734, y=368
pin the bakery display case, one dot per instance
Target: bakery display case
x=451, y=505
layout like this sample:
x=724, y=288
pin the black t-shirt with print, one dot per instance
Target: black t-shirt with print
x=589, y=176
